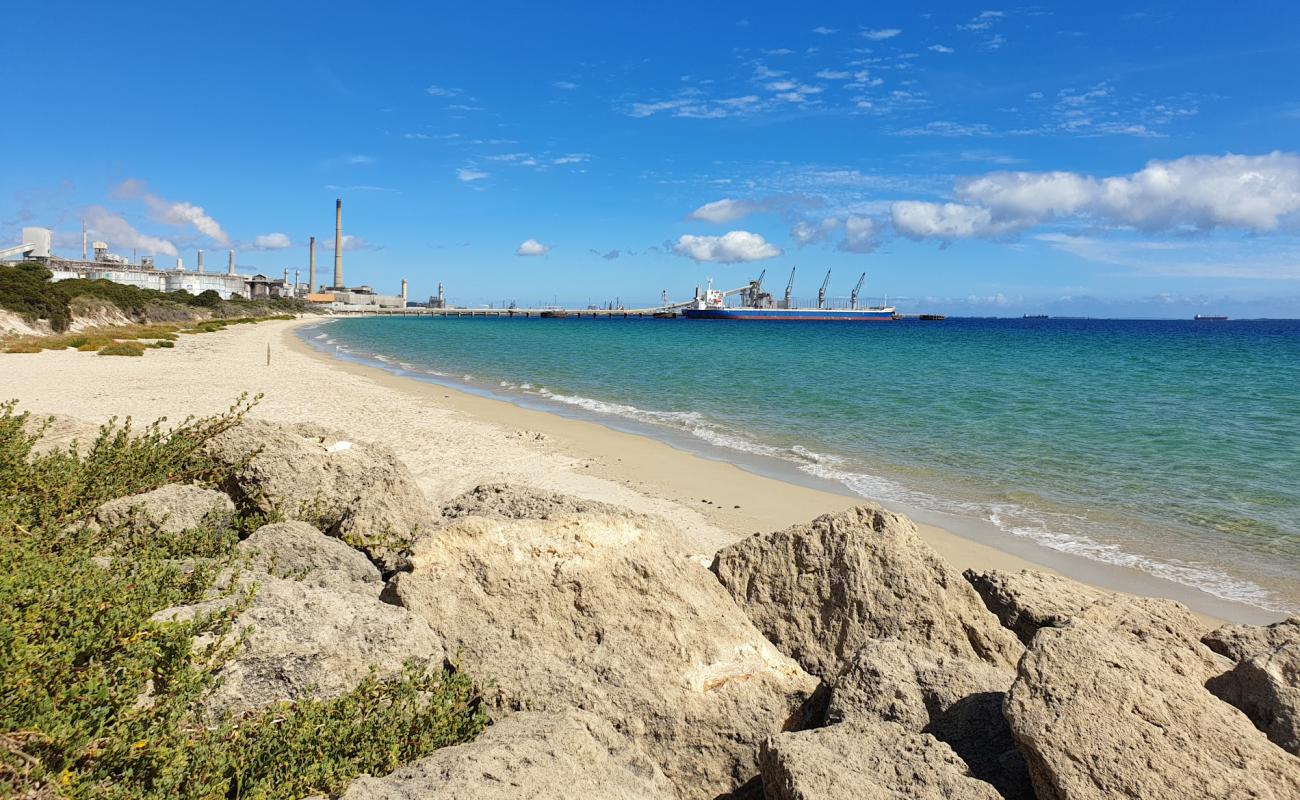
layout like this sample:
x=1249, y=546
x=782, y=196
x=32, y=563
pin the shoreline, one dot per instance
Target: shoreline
x=666, y=468
x=453, y=440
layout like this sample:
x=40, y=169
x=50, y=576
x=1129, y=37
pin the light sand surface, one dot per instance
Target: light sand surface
x=453, y=440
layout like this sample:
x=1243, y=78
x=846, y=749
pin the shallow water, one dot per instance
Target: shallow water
x=1168, y=446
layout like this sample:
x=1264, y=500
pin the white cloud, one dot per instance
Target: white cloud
x=272, y=241
x=468, y=175
x=567, y=86
x=920, y=220
x=1258, y=194
x=834, y=75
x=532, y=247
x=443, y=91
x=939, y=48
x=117, y=232
x=350, y=243
x=729, y=210
x=571, y=158
x=859, y=235
x=730, y=248
x=822, y=30
x=881, y=34
x=805, y=232
x=178, y=213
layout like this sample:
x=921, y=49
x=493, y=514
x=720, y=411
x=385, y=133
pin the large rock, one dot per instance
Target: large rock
x=527, y=755
x=1027, y=600
x=956, y=700
x=822, y=590
x=874, y=761
x=309, y=639
x=172, y=508
x=61, y=433
x=1100, y=715
x=1240, y=642
x=1267, y=688
x=508, y=501
x=598, y=611
x=359, y=492
x=1164, y=628
x=298, y=549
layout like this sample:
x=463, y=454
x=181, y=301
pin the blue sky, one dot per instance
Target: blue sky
x=1105, y=158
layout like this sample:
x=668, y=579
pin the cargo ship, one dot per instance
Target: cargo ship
x=758, y=305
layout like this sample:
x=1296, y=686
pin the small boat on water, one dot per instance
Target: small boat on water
x=1208, y=318
x=1036, y=316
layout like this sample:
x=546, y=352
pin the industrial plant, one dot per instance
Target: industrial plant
x=98, y=263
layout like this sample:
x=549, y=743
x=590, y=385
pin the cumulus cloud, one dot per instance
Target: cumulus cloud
x=443, y=91
x=117, y=232
x=177, y=213
x=532, y=247
x=730, y=210
x=859, y=235
x=350, y=243
x=940, y=48
x=1251, y=193
x=730, y=248
x=272, y=241
x=805, y=232
x=468, y=175
x=881, y=34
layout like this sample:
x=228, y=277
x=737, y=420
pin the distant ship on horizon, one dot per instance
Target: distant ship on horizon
x=757, y=304
x=1208, y=318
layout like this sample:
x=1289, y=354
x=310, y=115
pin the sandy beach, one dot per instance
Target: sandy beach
x=454, y=440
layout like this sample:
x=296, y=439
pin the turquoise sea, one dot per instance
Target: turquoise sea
x=1168, y=446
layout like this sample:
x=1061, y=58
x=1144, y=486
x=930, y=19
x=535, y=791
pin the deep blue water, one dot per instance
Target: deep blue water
x=1170, y=446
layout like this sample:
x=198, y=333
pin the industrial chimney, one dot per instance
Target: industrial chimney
x=403, y=291
x=338, y=244
x=230, y=270
x=199, y=266
x=311, y=266
x=83, y=240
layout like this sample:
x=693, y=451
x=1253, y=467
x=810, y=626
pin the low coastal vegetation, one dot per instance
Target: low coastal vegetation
x=98, y=698
x=111, y=314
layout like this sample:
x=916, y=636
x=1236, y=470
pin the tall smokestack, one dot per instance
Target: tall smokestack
x=286, y=277
x=230, y=270
x=311, y=265
x=338, y=243
x=83, y=240
x=403, y=291
x=199, y=265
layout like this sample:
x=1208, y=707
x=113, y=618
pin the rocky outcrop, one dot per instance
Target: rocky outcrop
x=1266, y=687
x=1027, y=600
x=316, y=639
x=296, y=549
x=874, y=761
x=529, y=754
x=1240, y=642
x=1100, y=715
x=599, y=612
x=172, y=508
x=1164, y=628
x=356, y=491
x=822, y=590
x=956, y=700
x=509, y=501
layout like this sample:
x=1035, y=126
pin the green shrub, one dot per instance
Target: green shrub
x=97, y=700
x=122, y=349
x=27, y=346
x=163, y=343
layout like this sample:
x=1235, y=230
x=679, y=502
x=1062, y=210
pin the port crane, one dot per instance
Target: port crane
x=821, y=293
x=789, y=289
x=853, y=296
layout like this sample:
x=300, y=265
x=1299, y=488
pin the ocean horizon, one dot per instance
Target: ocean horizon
x=1167, y=446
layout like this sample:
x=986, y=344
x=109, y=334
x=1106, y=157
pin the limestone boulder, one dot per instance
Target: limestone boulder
x=307, y=639
x=172, y=508
x=599, y=611
x=509, y=501
x=1240, y=642
x=956, y=700
x=1164, y=628
x=1027, y=600
x=822, y=590
x=297, y=549
x=60, y=433
x=1100, y=715
x=359, y=492
x=1266, y=687
x=544, y=756
x=872, y=761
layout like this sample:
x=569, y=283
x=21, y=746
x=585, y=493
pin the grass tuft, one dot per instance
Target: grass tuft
x=122, y=349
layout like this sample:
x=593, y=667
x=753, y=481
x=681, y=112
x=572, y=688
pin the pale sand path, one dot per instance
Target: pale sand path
x=453, y=440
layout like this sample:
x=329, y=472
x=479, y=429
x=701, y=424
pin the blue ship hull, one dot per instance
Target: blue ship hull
x=793, y=314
